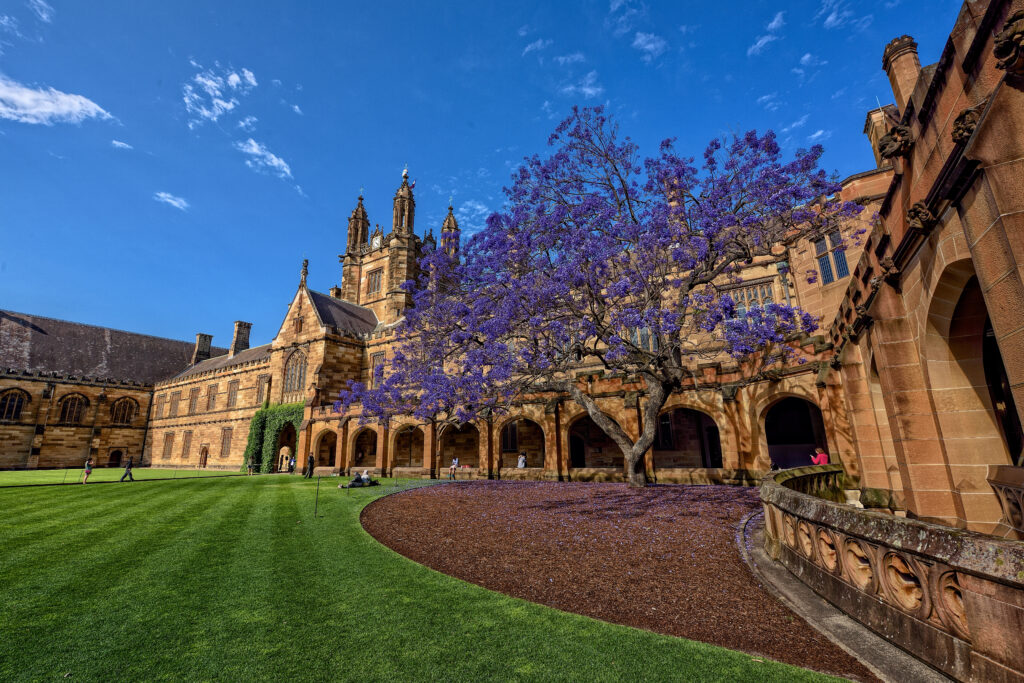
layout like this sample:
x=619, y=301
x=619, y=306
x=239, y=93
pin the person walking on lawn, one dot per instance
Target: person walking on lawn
x=309, y=467
x=128, y=470
x=88, y=470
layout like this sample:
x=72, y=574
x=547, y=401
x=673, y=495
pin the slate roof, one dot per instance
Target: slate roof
x=256, y=353
x=37, y=344
x=349, y=318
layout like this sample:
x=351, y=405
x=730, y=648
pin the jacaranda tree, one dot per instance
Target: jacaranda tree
x=601, y=260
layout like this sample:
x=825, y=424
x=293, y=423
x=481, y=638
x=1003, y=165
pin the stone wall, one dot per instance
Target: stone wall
x=954, y=599
x=38, y=438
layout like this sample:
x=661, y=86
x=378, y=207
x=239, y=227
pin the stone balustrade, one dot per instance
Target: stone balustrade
x=953, y=598
x=1008, y=483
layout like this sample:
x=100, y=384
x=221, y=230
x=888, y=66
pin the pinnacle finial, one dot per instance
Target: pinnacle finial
x=405, y=172
x=305, y=271
x=361, y=193
x=451, y=202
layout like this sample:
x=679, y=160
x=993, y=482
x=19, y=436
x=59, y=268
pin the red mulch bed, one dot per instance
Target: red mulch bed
x=663, y=558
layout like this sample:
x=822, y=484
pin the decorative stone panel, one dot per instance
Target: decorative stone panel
x=952, y=598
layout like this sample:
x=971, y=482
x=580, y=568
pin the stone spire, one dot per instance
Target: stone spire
x=358, y=226
x=405, y=207
x=450, y=234
x=304, y=273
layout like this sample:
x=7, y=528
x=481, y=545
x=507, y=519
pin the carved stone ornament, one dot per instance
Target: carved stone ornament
x=966, y=122
x=835, y=363
x=876, y=283
x=861, y=311
x=896, y=143
x=920, y=218
x=1009, y=44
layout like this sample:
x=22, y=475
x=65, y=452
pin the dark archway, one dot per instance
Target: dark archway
x=594, y=448
x=1002, y=399
x=793, y=428
x=204, y=454
x=687, y=438
x=577, y=451
x=364, y=450
x=408, y=451
x=326, y=450
x=115, y=458
x=522, y=436
x=462, y=443
x=286, y=447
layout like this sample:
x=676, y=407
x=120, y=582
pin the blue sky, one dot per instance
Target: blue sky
x=165, y=167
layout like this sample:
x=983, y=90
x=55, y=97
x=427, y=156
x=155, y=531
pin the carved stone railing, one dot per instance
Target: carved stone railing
x=952, y=598
x=1008, y=483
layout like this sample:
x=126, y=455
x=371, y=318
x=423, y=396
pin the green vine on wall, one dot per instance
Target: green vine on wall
x=264, y=429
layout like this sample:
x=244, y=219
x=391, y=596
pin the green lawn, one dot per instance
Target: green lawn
x=74, y=476
x=234, y=579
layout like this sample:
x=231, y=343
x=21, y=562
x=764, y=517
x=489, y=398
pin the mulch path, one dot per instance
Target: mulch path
x=663, y=558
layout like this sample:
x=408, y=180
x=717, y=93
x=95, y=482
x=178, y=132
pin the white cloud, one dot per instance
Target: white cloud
x=837, y=13
x=621, y=22
x=770, y=101
x=472, y=215
x=42, y=10
x=263, y=160
x=248, y=124
x=775, y=24
x=838, y=93
x=759, y=44
x=810, y=60
x=587, y=87
x=650, y=44
x=547, y=109
x=574, y=58
x=537, y=45
x=212, y=92
x=120, y=145
x=9, y=24
x=296, y=109
x=796, y=124
x=523, y=30
x=47, y=106
x=168, y=198
x=819, y=135
x=687, y=28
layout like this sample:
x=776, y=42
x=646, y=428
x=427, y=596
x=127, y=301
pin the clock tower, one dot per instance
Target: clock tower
x=375, y=264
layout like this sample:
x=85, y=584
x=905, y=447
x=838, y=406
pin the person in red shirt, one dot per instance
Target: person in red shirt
x=820, y=457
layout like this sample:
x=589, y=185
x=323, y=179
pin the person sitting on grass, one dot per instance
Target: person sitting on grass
x=88, y=470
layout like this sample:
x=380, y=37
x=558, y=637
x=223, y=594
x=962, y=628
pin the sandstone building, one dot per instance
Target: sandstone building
x=906, y=386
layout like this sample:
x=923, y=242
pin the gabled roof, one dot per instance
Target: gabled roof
x=256, y=353
x=349, y=318
x=38, y=344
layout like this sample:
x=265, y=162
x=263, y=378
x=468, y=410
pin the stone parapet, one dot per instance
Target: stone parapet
x=952, y=598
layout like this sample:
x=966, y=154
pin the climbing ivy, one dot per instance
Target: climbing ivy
x=264, y=428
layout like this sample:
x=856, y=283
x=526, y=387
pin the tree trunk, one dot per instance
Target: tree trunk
x=636, y=469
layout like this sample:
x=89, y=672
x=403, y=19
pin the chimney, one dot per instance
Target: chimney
x=202, y=350
x=240, y=342
x=876, y=126
x=903, y=67
x=336, y=292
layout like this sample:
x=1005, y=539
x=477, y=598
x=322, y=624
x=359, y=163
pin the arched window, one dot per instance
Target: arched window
x=72, y=407
x=123, y=411
x=11, y=403
x=295, y=373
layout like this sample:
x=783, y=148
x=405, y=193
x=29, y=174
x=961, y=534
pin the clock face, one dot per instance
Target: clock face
x=376, y=242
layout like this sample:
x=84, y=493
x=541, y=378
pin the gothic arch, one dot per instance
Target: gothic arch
x=124, y=410
x=521, y=434
x=589, y=446
x=72, y=408
x=326, y=448
x=791, y=427
x=12, y=402
x=407, y=443
x=363, y=448
x=687, y=437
